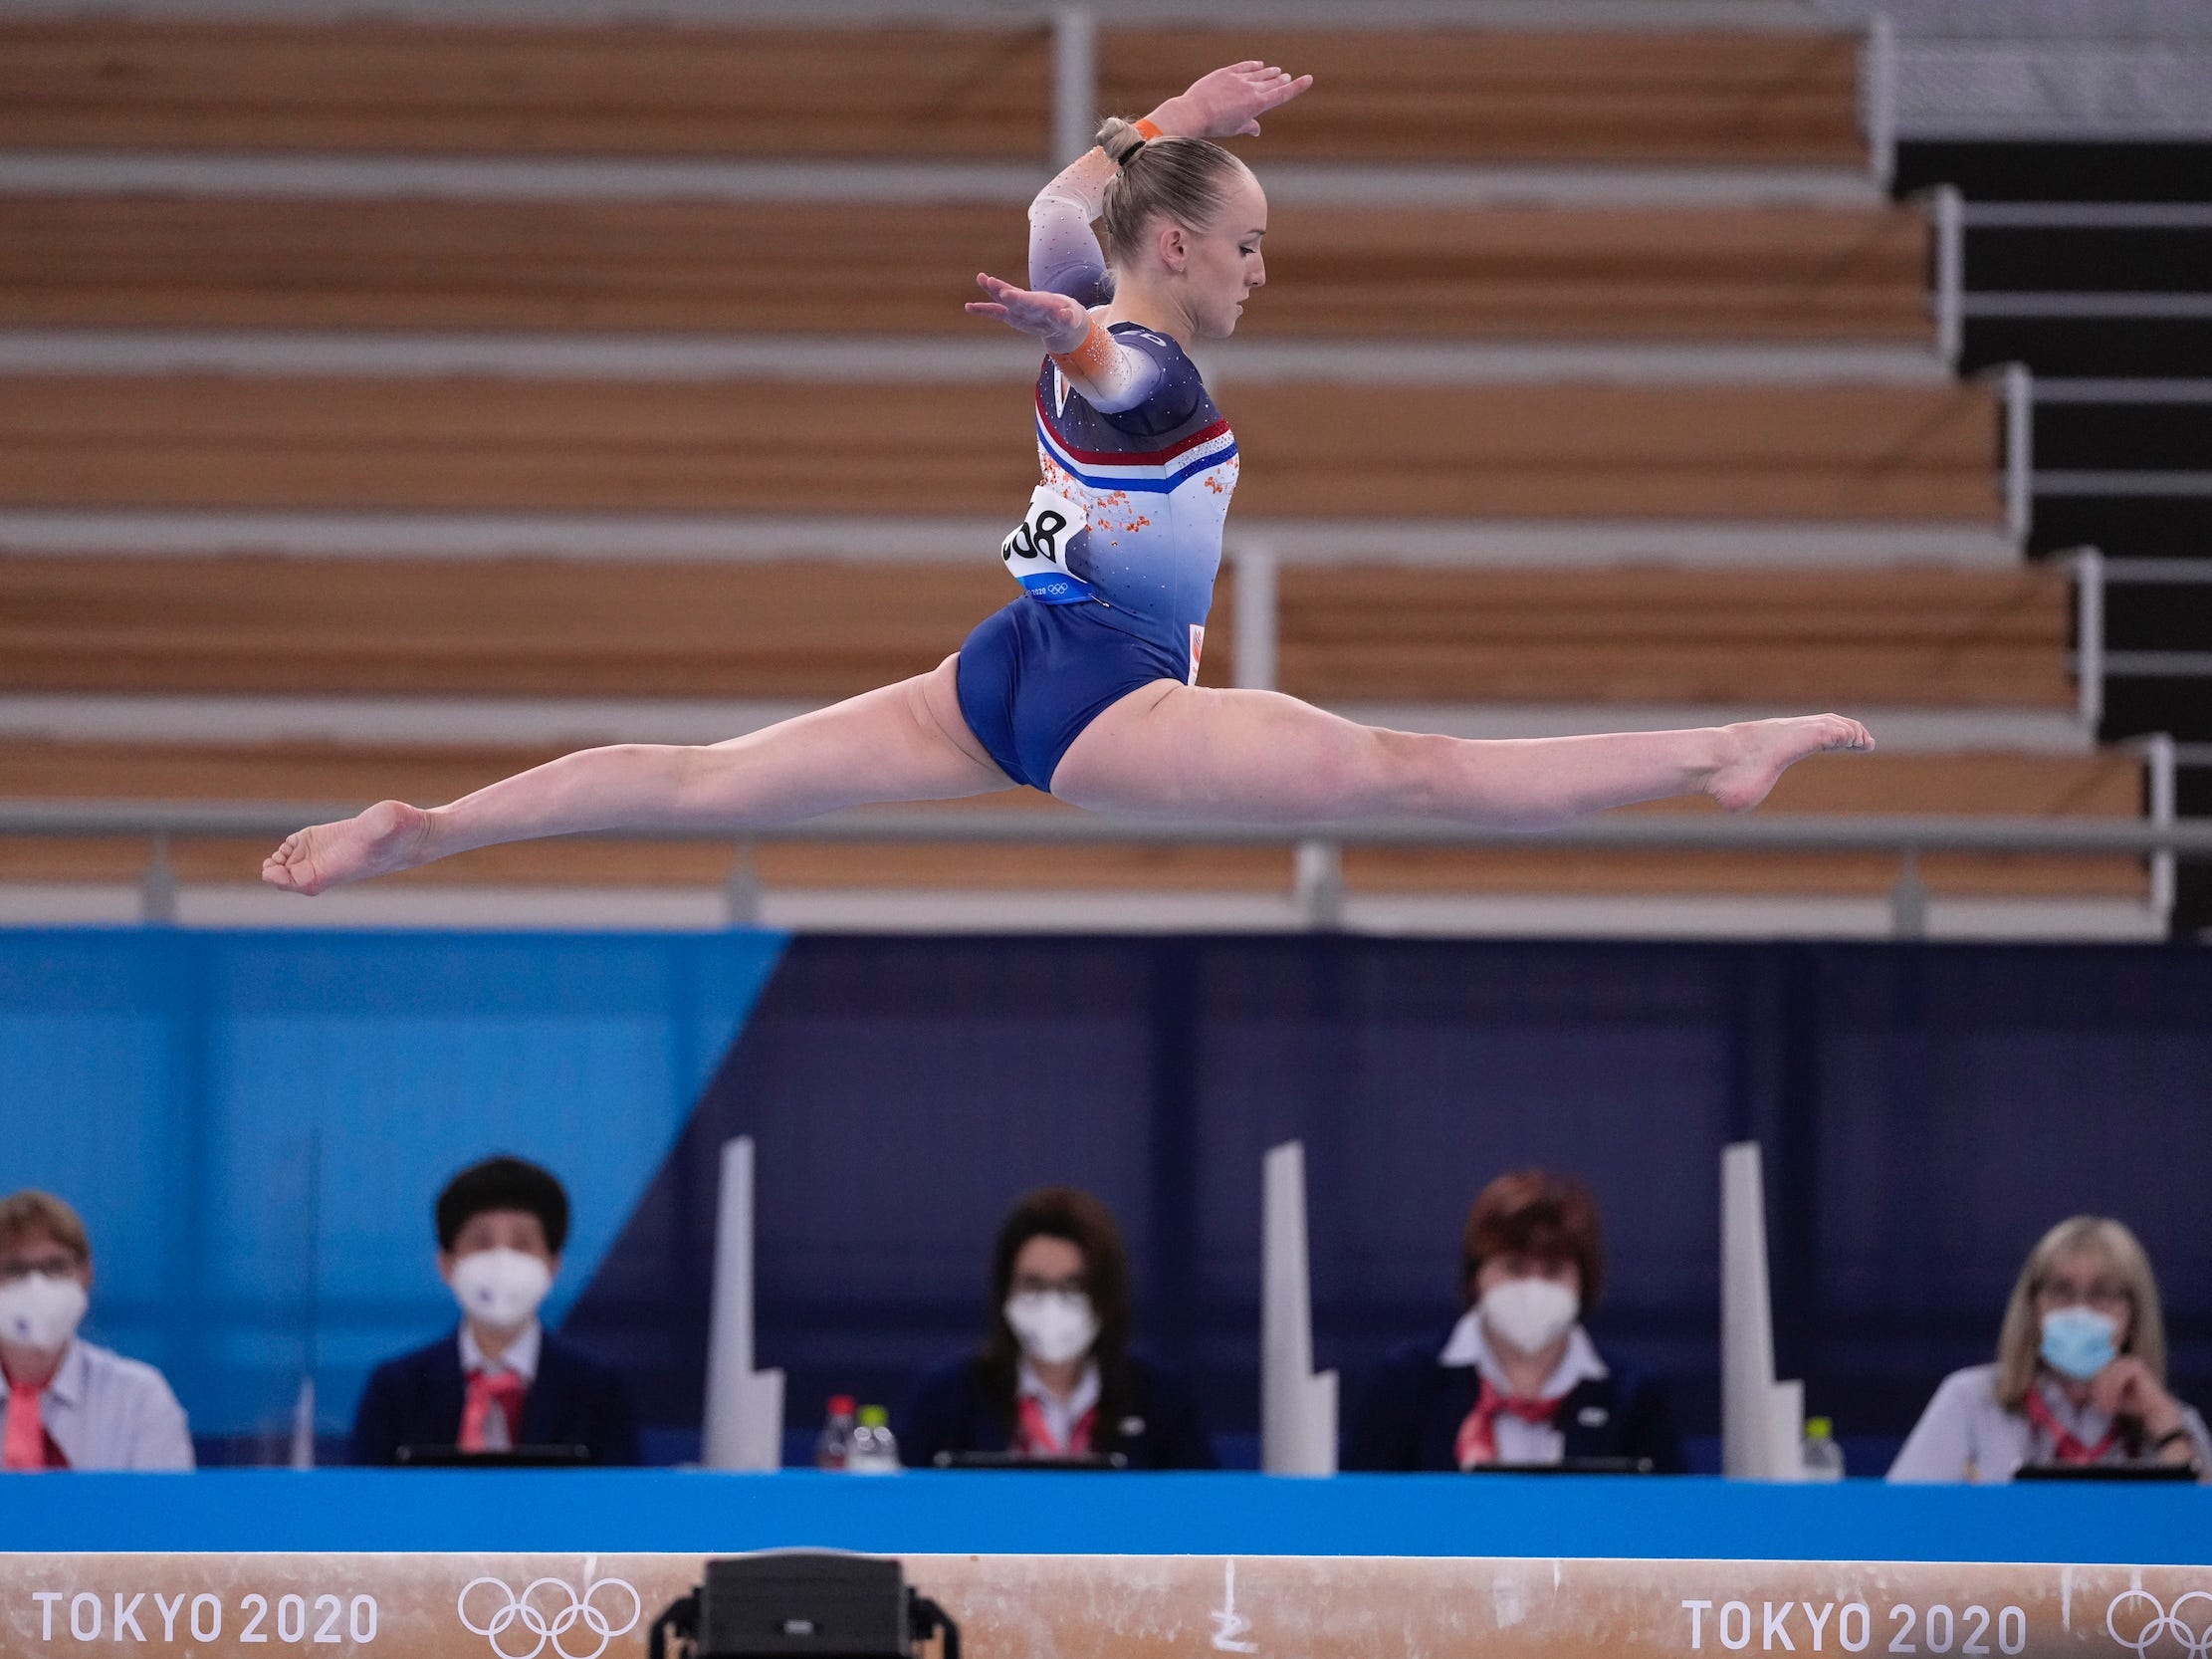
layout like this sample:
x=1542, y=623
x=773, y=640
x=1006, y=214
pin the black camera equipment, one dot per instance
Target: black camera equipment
x=802, y=1604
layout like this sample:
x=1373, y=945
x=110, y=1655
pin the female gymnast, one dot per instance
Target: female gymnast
x=1084, y=686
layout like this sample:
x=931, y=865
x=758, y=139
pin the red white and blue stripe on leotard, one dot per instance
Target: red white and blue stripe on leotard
x=1154, y=482
x=1150, y=470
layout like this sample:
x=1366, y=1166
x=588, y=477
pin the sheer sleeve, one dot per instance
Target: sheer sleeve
x=1113, y=376
x=1064, y=255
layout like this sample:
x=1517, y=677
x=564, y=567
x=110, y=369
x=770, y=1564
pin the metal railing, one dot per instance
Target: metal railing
x=1947, y=298
x=2158, y=836
x=1318, y=849
x=2019, y=450
x=2094, y=661
x=1947, y=211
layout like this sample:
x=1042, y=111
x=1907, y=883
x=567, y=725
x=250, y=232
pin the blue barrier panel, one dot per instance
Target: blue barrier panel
x=255, y=1124
x=1926, y=1110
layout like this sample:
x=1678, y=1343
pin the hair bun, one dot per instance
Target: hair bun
x=1120, y=139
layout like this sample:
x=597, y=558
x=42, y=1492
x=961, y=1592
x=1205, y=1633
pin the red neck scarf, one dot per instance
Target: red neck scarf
x=488, y=1390
x=26, y=1445
x=1477, y=1442
x=2065, y=1445
x=1033, y=1435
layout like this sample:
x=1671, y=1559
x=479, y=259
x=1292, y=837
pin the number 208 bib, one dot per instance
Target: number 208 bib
x=1043, y=547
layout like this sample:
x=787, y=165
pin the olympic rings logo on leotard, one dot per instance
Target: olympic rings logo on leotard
x=548, y=1617
x=2194, y=1639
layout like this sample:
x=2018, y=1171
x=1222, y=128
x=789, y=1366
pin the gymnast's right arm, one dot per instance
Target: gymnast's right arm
x=1064, y=255
x=1065, y=258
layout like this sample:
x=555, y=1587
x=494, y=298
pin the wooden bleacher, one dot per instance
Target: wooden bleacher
x=628, y=88
x=598, y=89
x=902, y=268
x=1767, y=272
x=492, y=259
x=1432, y=97
x=760, y=445
x=629, y=628
x=1940, y=638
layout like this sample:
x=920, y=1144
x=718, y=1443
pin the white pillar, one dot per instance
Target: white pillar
x=1074, y=81
x=1259, y=617
x=1297, y=1408
x=1878, y=71
x=1762, y=1422
x=744, y=1407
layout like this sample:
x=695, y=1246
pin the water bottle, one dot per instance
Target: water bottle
x=874, y=1451
x=1824, y=1459
x=834, y=1447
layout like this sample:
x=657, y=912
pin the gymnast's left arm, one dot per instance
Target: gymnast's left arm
x=1110, y=375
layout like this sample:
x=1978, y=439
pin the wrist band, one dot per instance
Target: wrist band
x=1147, y=126
x=1090, y=359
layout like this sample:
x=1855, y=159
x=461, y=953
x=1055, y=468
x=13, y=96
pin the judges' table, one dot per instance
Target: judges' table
x=575, y=1565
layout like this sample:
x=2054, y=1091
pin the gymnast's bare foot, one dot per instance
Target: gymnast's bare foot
x=390, y=835
x=1757, y=752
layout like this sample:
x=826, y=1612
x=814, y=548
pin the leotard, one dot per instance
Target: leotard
x=1118, y=551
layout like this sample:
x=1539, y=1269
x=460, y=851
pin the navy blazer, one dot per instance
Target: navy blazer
x=416, y=1400
x=953, y=1409
x=1409, y=1414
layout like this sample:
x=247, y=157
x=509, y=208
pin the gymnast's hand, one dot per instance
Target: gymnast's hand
x=1057, y=319
x=1229, y=103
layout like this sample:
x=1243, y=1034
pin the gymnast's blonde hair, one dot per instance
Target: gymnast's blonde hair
x=1184, y=179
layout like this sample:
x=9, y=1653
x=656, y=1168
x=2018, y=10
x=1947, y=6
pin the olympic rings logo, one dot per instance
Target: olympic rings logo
x=545, y=1611
x=2159, y=1621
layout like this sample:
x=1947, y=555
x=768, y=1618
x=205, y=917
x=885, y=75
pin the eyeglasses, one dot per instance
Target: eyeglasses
x=2103, y=1295
x=57, y=1265
x=1030, y=1285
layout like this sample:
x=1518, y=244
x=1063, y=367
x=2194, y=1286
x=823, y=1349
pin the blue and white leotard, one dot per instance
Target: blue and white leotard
x=1150, y=468
x=1153, y=481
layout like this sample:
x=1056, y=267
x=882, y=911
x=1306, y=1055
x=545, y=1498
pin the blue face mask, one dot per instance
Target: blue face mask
x=2079, y=1341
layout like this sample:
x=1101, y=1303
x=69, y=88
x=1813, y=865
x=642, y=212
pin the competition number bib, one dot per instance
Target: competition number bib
x=1037, y=553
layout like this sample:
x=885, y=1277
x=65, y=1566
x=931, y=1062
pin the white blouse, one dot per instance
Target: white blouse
x=1966, y=1435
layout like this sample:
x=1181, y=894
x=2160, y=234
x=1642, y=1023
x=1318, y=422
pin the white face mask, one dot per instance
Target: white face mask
x=1530, y=1315
x=1053, y=1327
x=40, y=1312
x=501, y=1288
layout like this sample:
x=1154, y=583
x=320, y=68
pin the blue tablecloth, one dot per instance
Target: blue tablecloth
x=688, y=1512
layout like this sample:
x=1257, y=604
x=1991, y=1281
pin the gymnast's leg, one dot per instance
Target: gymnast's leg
x=1262, y=757
x=904, y=742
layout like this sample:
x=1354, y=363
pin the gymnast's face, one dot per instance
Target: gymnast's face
x=1214, y=267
